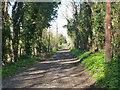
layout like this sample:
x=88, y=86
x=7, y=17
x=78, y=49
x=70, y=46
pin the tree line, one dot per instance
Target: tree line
x=25, y=32
x=87, y=26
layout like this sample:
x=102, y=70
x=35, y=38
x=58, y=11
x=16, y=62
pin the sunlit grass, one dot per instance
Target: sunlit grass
x=106, y=74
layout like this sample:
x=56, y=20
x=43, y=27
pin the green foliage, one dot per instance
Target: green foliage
x=6, y=37
x=79, y=27
x=62, y=39
x=87, y=27
x=40, y=15
x=18, y=66
x=23, y=33
x=106, y=74
x=91, y=26
x=24, y=56
x=77, y=52
x=111, y=74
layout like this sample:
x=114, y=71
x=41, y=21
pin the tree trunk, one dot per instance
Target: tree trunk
x=107, y=40
x=77, y=40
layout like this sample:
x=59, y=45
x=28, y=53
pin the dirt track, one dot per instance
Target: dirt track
x=62, y=70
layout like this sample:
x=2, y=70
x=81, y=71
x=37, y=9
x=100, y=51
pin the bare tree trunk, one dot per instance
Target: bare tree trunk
x=107, y=39
x=20, y=50
x=33, y=51
x=4, y=18
x=57, y=35
x=5, y=12
x=49, y=43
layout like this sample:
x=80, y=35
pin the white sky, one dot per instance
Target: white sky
x=63, y=11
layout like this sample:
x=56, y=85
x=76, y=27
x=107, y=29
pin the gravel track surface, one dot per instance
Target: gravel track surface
x=62, y=70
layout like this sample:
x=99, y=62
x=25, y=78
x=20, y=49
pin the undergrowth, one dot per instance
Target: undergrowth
x=18, y=66
x=106, y=74
x=22, y=63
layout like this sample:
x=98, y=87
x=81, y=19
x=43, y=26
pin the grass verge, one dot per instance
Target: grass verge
x=18, y=66
x=22, y=64
x=106, y=74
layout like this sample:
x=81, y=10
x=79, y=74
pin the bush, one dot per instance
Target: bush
x=24, y=56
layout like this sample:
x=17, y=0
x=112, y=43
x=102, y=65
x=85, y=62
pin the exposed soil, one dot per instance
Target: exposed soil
x=62, y=70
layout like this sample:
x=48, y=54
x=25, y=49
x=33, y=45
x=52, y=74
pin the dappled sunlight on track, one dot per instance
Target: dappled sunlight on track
x=62, y=70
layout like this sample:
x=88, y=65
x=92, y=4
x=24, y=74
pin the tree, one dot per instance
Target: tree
x=6, y=37
x=17, y=15
x=108, y=24
x=62, y=39
x=23, y=32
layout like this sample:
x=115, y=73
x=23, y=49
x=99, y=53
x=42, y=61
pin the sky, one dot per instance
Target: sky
x=63, y=11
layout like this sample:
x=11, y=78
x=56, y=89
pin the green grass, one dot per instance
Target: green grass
x=23, y=62
x=18, y=66
x=106, y=74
